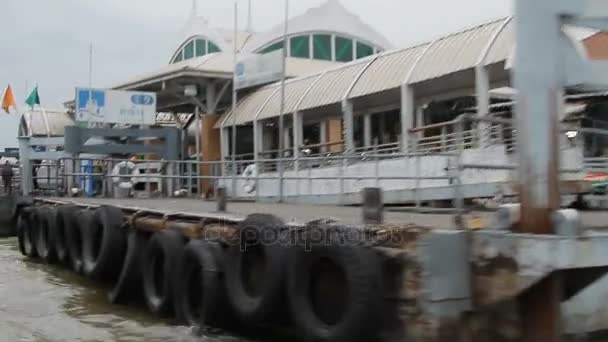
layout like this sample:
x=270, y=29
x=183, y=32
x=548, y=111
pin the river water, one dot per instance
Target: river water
x=42, y=303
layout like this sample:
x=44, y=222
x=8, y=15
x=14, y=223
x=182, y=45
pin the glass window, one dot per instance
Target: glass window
x=213, y=48
x=322, y=46
x=189, y=50
x=364, y=50
x=201, y=47
x=344, y=49
x=179, y=57
x=273, y=47
x=300, y=47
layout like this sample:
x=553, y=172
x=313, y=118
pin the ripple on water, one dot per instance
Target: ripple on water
x=45, y=303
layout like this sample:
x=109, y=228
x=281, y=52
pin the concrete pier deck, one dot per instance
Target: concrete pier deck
x=305, y=213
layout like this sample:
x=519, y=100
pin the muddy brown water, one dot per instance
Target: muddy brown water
x=42, y=303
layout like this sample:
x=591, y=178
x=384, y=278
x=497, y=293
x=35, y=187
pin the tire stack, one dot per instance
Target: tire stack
x=270, y=277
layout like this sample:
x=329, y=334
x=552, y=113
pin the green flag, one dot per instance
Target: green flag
x=34, y=98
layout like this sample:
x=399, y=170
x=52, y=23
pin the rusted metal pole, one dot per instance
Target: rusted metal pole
x=539, y=83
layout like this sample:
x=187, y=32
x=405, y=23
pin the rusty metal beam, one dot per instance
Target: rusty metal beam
x=539, y=86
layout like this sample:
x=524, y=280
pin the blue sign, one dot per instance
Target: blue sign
x=90, y=103
x=142, y=100
x=115, y=106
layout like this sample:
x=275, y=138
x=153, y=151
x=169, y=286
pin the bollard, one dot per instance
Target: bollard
x=221, y=199
x=373, y=205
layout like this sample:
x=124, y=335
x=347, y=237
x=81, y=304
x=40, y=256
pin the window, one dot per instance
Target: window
x=364, y=50
x=213, y=48
x=189, y=50
x=344, y=49
x=179, y=57
x=273, y=47
x=300, y=47
x=201, y=47
x=322, y=46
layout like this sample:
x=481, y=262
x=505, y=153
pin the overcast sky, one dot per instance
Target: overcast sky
x=46, y=42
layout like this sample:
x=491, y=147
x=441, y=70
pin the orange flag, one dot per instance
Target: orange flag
x=9, y=100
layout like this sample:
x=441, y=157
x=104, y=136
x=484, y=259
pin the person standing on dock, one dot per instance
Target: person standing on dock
x=7, y=177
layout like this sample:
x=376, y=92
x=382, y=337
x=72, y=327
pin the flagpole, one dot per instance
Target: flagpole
x=281, y=119
x=90, y=76
x=234, y=97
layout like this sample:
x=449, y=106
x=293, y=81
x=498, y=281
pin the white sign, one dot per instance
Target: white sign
x=118, y=107
x=259, y=69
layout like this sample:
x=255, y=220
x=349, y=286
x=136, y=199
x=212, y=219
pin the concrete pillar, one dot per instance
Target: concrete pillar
x=349, y=138
x=323, y=135
x=482, y=89
x=407, y=115
x=334, y=134
x=210, y=150
x=367, y=130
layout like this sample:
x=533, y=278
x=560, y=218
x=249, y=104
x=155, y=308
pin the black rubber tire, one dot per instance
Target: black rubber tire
x=160, y=272
x=44, y=240
x=105, y=245
x=59, y=231
x=76, y=226
x=335, y=293
x=128, y=286
x=201, y=295
x=25, y=234
x=255, y=271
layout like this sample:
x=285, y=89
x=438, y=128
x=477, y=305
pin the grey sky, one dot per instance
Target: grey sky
x=46, y=42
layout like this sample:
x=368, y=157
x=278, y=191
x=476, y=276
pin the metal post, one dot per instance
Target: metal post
x=444, y=132
x=459, y=196
x=539, y=95
x=282, y=109
x=197, y=121
x=377, y=167
x=189, y=169
x=234, y=98
x=418, y=182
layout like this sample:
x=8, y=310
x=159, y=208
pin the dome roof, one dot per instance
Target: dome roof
x=329, y=17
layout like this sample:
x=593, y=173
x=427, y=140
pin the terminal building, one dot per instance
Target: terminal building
x=357, y=111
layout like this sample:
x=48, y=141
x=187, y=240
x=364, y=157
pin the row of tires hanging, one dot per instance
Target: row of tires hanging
x=325, y=292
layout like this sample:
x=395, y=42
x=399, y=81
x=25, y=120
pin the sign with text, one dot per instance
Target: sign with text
x=259, y=69
x=116, y=107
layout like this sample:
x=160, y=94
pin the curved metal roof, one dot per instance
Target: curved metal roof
x=490, y=43
x=329, y=17
x=218, y=65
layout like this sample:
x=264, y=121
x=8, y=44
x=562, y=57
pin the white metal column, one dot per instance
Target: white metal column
x=298, y=133
x=367, y=130
x=323, y=135
x=407, y=114
x=349, y=140
x=482, y=87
